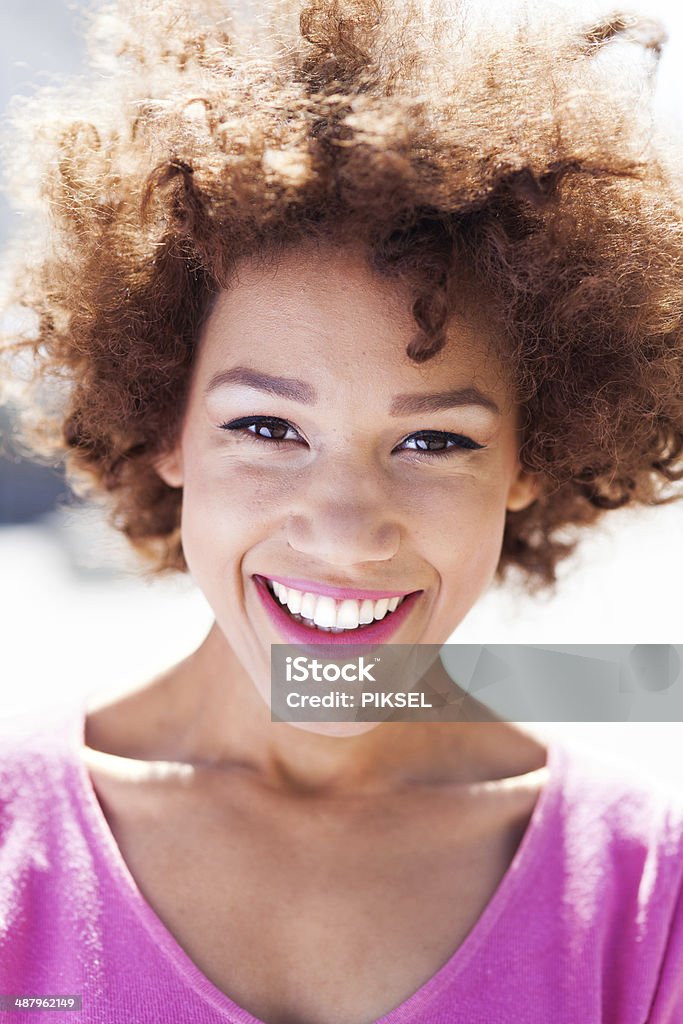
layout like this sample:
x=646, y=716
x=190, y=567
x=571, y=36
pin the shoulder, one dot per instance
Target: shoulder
x=618, y=841
x=45, y=855
x=597, y=899
x=34, y=750
x=608, y=802
x=45, y=730
x=37, y=785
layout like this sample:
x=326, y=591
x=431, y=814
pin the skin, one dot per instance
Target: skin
x=349, y=500
x=266, y=832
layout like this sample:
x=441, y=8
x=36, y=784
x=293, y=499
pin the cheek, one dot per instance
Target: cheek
x=463, y=543
x=226, y=507
x=461, y=520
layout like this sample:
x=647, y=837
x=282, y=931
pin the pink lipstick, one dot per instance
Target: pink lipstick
x=338, y=593
x=379, y=632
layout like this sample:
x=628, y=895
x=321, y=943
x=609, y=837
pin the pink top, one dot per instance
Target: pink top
x=585, y=926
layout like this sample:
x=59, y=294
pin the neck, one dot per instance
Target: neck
x=224, y=723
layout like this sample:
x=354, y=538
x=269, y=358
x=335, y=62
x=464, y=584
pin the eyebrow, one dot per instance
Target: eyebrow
x=299, y=391
x=402, y=405
x=285, y=387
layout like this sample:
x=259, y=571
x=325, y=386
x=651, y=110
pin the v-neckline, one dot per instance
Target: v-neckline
x=525, y=857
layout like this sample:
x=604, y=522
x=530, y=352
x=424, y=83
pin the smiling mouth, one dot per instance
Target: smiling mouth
x=327, y=615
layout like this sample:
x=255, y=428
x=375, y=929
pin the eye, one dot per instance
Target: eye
x=440, y=442
x=274, y=431
x=265, y=428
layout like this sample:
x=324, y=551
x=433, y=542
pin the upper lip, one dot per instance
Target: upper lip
x=339, y=593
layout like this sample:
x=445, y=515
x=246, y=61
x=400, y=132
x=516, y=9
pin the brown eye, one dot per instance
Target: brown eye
x=266, y=428
x=277, y=431
x=438, y=442
x=274, y=431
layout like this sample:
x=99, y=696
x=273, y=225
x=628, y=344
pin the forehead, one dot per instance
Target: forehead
x=324, y=314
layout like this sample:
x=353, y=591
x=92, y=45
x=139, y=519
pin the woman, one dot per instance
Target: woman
x=345, y=327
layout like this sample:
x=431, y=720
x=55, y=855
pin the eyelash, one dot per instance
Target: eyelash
x=461, y=443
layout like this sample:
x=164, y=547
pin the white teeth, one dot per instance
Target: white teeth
x=325, y=612
x=348, y=614
x=367, y=612
x=328, y=614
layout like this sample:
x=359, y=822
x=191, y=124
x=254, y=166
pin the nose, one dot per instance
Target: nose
x=344, y=514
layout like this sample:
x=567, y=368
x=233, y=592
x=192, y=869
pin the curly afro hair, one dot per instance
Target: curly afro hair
x=522, y=154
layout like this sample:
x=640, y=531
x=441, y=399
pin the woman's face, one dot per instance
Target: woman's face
x=389, y=477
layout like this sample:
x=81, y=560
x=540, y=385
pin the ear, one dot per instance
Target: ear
x=169, y=466
x=524, y=489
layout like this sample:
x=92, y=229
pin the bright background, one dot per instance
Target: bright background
x=75, y=617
